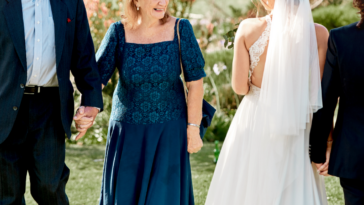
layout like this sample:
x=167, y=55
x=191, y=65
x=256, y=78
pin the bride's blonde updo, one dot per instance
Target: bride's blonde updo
x=268, y=5
x=132, y=15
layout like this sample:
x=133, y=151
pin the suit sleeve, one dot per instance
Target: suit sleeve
x=83, y=64
x=323, y=119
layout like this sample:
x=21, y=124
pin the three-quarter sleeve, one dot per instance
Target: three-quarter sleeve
x=192, y=59
x=107, y=53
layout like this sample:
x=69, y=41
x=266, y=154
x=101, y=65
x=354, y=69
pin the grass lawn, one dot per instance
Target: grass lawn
x=86, y=165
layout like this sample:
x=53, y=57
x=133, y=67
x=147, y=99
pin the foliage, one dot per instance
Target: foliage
x=218, y=92
x=181, y=8
x=86, y=165
x=334, y=16
x=101, y=15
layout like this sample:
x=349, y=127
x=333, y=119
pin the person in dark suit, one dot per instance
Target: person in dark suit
x=343, y=78
x=41, y=41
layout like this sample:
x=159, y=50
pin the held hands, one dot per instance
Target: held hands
x=84, y=119
x=194, y=141
x=323, y=168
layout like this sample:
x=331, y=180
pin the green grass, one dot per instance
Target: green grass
x=86, y=165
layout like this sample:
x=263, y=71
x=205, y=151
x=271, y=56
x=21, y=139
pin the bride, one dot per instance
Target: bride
x=265, y=157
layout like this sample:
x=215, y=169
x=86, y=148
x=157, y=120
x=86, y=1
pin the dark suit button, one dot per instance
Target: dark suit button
x=15, y=108
x=22, y=86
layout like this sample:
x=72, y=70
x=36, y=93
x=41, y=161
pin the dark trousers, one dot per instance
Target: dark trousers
x=353, y=191
x=36, y=145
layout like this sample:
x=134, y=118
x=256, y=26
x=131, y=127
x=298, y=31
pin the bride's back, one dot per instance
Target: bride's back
x=250, y=52
x=257, y=38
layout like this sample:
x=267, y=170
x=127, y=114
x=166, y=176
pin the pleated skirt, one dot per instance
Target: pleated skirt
x=147, y=165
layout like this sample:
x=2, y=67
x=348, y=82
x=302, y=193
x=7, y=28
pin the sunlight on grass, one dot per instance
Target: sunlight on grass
x=86, y=165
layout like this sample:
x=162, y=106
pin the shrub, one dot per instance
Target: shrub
x=334, y=16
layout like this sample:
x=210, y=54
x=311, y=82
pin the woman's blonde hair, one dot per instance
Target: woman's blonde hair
x=132, y=15
x=259, y=3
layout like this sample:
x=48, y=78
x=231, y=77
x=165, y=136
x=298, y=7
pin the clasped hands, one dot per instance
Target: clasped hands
x=323, y=168
x=84, y=119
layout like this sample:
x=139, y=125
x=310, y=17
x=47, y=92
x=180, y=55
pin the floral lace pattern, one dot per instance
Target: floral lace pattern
x=149, y=89
x=257, y=49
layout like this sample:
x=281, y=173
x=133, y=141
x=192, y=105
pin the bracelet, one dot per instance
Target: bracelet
x=193, y=125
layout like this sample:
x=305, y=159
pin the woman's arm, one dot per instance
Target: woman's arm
x=322, y=36
x=240, y=77
x=194, y=113
x=193, y=73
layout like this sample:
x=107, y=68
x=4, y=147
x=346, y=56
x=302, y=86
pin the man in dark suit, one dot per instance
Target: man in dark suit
x=41, y=41
x=343, y=77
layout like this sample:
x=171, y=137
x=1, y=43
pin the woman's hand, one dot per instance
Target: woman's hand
x=194, y=141
x=323, y=170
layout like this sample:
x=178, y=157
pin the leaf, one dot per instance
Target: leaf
x=225, y=37
x=226, y=43
x=230, y=33
x=231, y=46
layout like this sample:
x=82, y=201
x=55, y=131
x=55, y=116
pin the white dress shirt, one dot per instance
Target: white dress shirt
x=39, y=43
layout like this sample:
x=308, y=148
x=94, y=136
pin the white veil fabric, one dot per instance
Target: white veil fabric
x=291, y=87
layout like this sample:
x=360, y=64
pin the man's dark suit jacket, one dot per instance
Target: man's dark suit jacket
x=74, y=52
x=343, y=77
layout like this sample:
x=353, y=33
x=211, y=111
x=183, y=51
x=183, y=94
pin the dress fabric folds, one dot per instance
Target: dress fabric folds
x=240, y=178
x=147, y=164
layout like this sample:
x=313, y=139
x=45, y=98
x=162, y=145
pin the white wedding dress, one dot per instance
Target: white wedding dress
x=276, y=171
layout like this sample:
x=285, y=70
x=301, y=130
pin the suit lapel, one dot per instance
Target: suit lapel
x=14, y=16
x=59, y=11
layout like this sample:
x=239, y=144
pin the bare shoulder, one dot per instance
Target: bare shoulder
x=171, y=20
x=250, y=29
x=322, y=34
x=250, y=25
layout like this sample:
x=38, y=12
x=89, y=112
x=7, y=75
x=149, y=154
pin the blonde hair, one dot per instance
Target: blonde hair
x=131, y=15
x=259, y=3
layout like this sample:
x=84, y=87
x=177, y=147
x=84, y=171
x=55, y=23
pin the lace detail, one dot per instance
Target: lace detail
x=257, y=49
x=149, y=88
x=254, y=91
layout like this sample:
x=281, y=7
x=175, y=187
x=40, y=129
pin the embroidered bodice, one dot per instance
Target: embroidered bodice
x=149, y=88
x=258, y=48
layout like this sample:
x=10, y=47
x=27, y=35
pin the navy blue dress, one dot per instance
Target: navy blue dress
x=146, y=160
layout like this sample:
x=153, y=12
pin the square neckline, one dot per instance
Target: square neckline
x=156, y=43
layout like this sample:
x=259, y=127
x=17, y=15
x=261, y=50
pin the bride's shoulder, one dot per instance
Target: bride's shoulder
x=252, y=24
x=250, y=29
x=322, y=34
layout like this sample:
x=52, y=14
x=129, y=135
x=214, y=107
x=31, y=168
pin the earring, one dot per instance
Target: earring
x=138, y=8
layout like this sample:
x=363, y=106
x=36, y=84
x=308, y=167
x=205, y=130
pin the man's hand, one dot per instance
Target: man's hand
x=84, y=119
